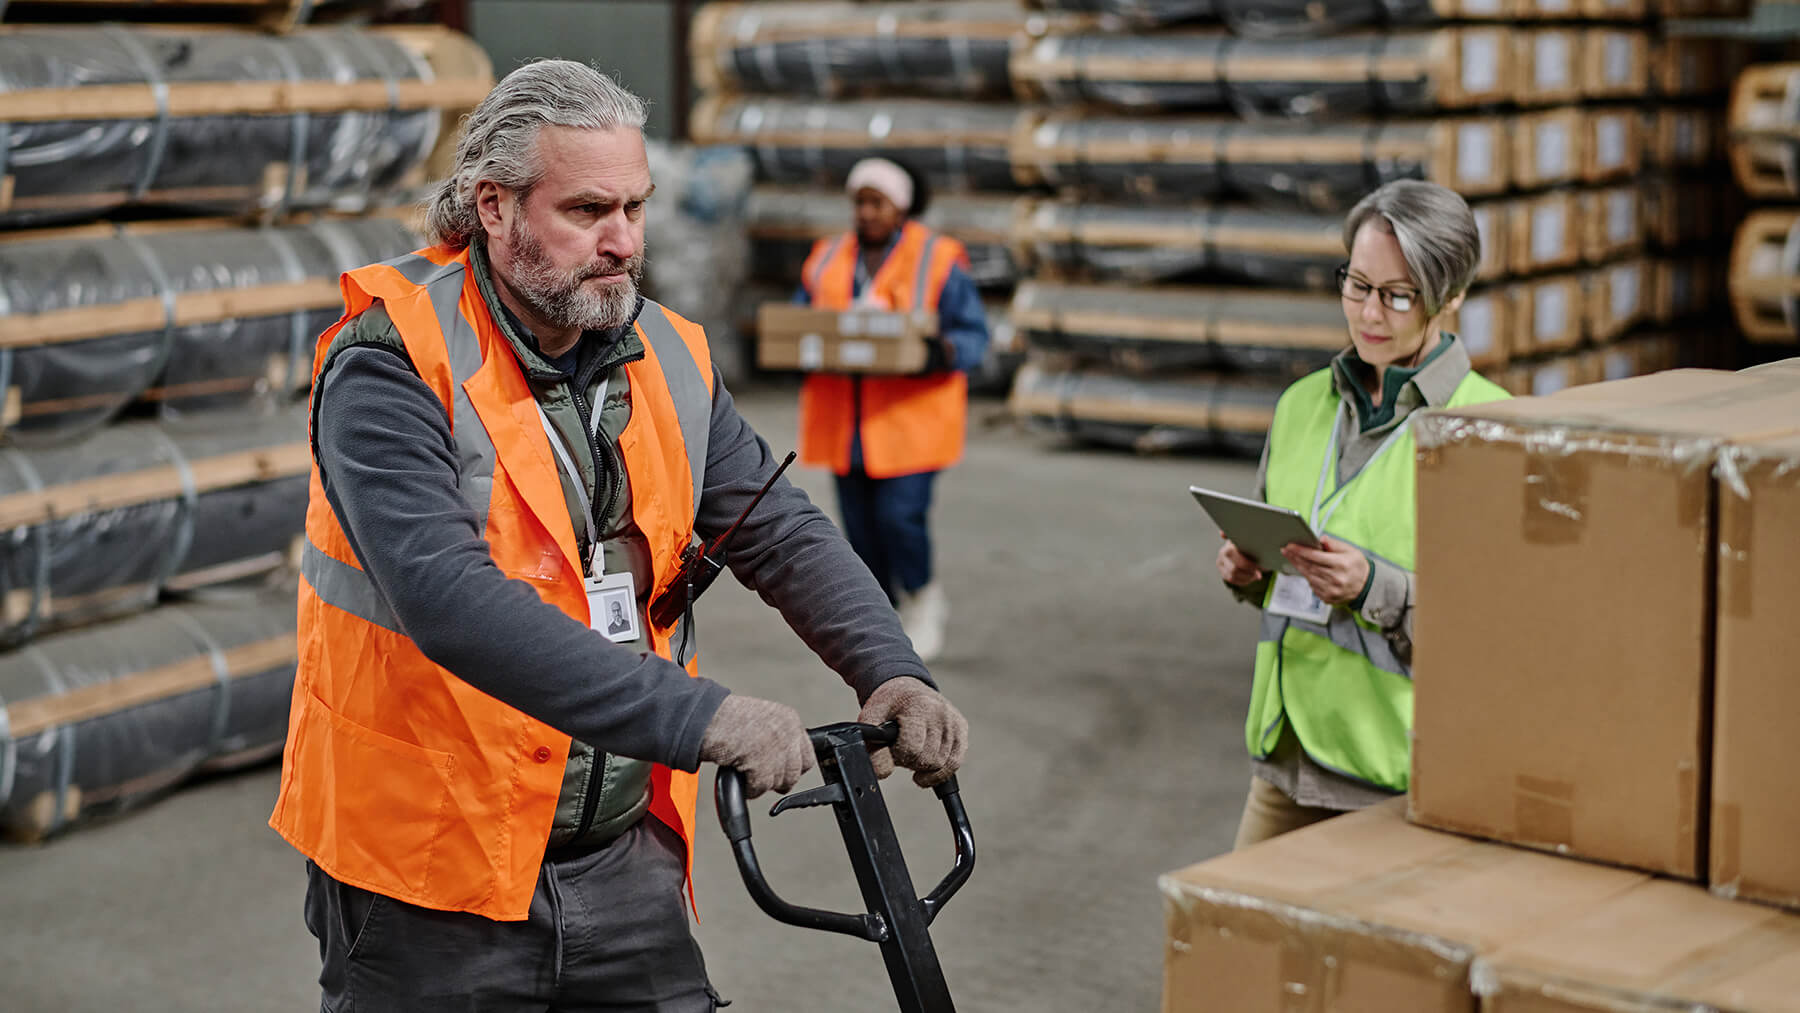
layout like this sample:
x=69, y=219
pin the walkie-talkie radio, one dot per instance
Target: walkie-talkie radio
x=698, y=568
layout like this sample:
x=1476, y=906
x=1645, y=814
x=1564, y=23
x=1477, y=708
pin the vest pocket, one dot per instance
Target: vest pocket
x=381, y=808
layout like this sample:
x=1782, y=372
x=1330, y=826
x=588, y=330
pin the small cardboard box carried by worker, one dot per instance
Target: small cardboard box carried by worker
x=856, y=340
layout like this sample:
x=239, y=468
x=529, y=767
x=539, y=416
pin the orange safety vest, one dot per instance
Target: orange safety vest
x=398, y=776
x=910, y=424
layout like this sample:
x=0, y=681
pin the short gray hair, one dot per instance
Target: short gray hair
x=1436, y=231
x=499, y=139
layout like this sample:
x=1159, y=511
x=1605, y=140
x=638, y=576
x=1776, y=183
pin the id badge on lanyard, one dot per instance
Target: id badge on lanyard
x=611, y=597
x=1293, y=597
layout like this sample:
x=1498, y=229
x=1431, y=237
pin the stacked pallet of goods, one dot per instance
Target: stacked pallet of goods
x=811, y=87
x=1205, y=152
x=1764, y=126
x=176, y=204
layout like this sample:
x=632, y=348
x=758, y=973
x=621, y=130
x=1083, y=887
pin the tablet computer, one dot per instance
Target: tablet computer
x=1260, y=531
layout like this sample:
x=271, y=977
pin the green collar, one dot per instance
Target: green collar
x=1393, y=380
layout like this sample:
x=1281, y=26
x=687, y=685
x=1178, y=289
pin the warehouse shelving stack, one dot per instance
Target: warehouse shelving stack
x=180, y=187
x=1583, y=135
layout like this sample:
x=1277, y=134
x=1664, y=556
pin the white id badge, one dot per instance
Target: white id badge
x=1294, y=598
x=612, y=606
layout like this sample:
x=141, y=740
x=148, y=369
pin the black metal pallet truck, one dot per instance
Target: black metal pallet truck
x=897, y=918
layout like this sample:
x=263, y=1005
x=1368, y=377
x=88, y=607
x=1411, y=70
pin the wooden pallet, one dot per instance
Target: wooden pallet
x=1182, y=411
x=462, y=75
x=1765, y=276
x=158, y=482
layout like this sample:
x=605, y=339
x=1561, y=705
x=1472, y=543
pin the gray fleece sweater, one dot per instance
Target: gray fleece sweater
x=388, y=465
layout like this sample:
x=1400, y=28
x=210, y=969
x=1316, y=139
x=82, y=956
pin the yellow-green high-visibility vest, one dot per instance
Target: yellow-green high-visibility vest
x=1348, y=695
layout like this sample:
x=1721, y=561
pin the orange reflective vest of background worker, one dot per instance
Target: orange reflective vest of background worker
x=907, y=424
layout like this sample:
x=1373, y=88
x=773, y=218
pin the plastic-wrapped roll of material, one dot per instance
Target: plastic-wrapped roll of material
x=101, y=528
x=1142, y=245
x=956, y=49
x=1155, y=329
x=99, y=720
x=1320, y=167
x=957, y=145
x=227, y=122
x=1360, y=74
x=1194, y=412
x=195, y=316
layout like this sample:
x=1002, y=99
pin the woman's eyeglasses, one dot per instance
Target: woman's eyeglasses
x=1400, y=300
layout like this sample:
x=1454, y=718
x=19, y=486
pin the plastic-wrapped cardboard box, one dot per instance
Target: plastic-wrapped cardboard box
x=1363, y=912
x=1564, y=626
x=861, y=340
x=1659, y=946
x=1755, y=805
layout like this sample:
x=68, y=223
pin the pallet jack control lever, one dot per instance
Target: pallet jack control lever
x=896, y=917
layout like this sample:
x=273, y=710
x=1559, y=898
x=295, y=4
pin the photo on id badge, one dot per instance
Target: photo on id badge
x=618, y=615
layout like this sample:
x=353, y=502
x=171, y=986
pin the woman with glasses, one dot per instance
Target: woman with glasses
x=1331, y=707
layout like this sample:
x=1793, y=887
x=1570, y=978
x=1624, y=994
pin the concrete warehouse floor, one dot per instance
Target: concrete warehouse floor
x=1105, y=674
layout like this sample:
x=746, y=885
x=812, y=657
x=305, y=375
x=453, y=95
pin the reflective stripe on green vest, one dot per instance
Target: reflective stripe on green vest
x=1347, y=693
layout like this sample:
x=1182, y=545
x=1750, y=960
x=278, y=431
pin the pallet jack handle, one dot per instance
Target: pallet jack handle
x=896, y=917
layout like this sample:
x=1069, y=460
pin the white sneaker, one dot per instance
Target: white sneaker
x=923, y=614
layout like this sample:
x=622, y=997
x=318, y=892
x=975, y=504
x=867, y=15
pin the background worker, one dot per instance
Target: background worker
x=887, y=437
x=493, y=787
x=1331, y=706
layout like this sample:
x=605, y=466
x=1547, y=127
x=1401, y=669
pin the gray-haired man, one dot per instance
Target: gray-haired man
x=485, y=774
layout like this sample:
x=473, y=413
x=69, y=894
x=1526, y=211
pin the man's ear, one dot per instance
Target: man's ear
x=495, y=206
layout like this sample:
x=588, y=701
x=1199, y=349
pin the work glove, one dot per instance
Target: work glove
x=933, y=734
x=766, y=741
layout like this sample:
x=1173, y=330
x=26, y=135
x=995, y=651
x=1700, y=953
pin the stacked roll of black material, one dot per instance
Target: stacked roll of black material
x=95, y=721
x=97, y=119
x=177, y=205
x=192, y=316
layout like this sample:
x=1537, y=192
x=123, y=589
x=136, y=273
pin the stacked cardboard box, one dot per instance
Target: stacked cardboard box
x=1765, y=259
x=1603, y=681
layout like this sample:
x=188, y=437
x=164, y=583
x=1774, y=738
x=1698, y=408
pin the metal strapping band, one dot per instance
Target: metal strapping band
x=1372, y=74
x=303, y=12
x=766, y=60
x=343, y=244
x=299, y=124
x=65, y=742
x=366, y=45
x=298, y=338
x=221, y=674
x=962, y=58
x=818, y=63
x=887, y=52
x=160, y=278
x=190, y=504
x=9, y=749
x=159, y=89
x=422, y=70
x=345, y=587
x=40, y=535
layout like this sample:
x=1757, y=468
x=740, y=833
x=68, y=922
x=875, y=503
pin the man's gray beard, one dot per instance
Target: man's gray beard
x=559, y=298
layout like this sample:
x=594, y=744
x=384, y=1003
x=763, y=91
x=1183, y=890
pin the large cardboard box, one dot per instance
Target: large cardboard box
x=1563, y=632
x=1660, y=946
x=861, y=340
x=1755, y=802
x=1359, y=914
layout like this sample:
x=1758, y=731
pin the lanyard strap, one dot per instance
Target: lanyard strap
x=596, y=562
x=1336, y=499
